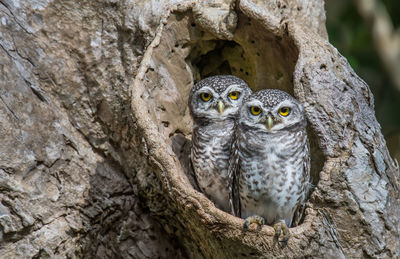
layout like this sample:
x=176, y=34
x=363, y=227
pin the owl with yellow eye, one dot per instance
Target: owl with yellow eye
x=270, y=160
x=214, y=104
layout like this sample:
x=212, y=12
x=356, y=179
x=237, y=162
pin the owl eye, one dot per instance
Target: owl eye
x=284, y=111
x=255, y=110
x=234, y=95
x=206, y=96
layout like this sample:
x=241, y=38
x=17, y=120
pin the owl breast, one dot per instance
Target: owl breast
x=272, y=174
x=210, y=158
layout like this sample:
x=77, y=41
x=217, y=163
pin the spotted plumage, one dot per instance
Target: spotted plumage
x=214, y=104
x=270, y=158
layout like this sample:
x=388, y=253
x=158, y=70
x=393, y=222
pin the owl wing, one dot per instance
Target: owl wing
x=306, y=168
x=182, y=146
x=233, y=173
x=300, y=207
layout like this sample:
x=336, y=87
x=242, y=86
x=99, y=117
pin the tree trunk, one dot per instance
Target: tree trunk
x=95, y=129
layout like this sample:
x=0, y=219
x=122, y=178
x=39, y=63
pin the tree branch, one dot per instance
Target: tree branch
x=384, y=35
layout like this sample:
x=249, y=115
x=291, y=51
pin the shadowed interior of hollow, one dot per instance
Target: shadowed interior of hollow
x=257, y=56
x=223, y=58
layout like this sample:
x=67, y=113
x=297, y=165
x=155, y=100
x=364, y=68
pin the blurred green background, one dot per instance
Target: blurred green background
x=349, y=33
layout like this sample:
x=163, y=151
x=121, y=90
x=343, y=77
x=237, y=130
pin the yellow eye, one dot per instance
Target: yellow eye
x=234, y=95
x=255, y=110
x=284, y=111
x=205, y=97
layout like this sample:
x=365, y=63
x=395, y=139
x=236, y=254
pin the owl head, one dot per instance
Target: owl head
x=217, y=98
x=271, y=111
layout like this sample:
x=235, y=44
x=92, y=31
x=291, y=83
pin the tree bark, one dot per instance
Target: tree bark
x=95, y=130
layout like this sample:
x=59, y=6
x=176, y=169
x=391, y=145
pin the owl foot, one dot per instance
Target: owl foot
x=253, y=219
x=281, y=230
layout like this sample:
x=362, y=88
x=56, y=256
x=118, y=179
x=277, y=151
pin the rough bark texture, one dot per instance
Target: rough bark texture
x=94, y=117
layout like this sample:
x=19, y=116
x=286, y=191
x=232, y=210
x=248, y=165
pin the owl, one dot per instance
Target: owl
x=270, y=160
x=214, y=105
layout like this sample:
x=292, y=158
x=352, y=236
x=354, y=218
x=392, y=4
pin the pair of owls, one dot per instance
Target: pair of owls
x=250, y=151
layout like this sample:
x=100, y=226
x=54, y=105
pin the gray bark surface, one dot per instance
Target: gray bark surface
x=95, y=129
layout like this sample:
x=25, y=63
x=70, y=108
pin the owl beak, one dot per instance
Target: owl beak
x=270, y=122
x=221, y=107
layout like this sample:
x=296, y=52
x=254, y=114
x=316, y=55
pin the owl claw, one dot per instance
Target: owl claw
x=253, y=219
x=281, y=228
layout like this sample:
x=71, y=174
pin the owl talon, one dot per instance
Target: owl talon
x=253, y=219
x=281, y=228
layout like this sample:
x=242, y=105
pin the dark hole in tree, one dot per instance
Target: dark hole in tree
x=220, y=57
x=261, y=59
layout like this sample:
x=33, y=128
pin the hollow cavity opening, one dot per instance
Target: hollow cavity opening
x=221, y=57
x=187, y=53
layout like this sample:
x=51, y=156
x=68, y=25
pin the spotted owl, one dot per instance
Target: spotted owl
x=214, y=104
x=270, y=160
